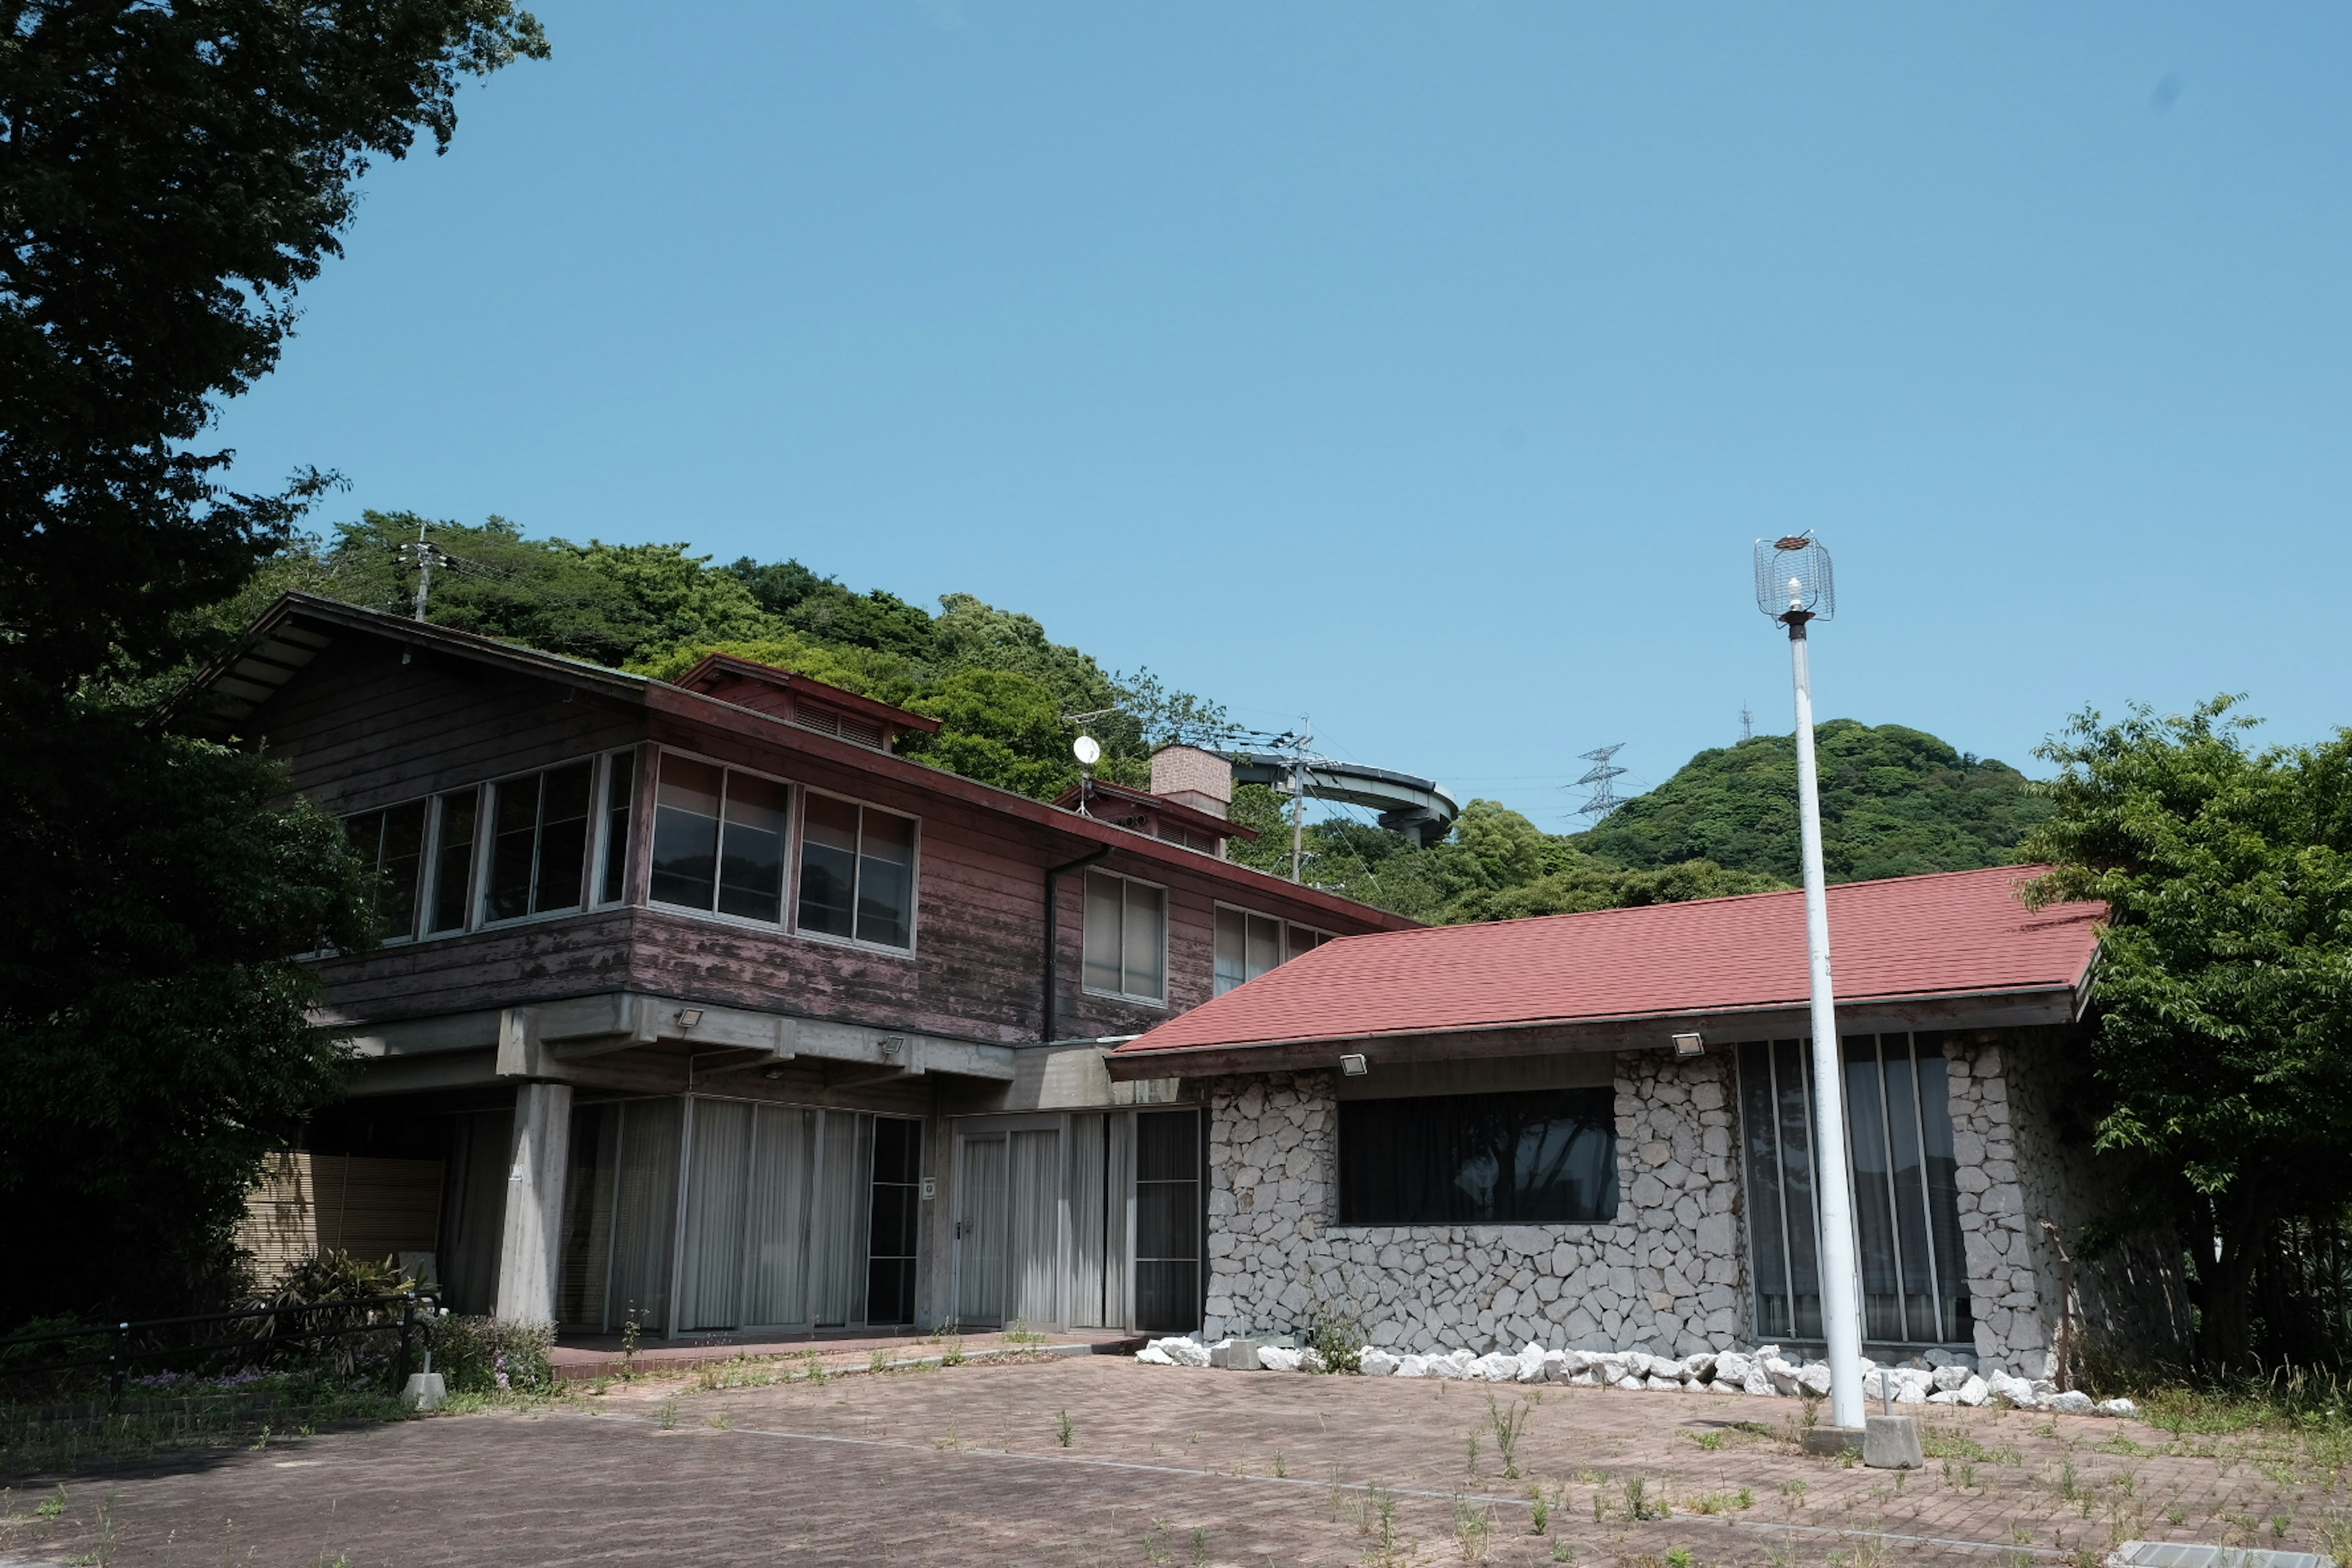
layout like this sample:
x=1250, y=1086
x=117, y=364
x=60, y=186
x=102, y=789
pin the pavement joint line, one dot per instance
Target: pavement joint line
x=2013, y=1549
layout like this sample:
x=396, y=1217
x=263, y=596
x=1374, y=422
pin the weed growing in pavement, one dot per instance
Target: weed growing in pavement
x=1200, y=1547
x=1813, y=1402
x=1539, y=1511
x=1794, y=1491
x=877, y=1363
x=1063, y=1428
x=1591, y=1477
x=1678, y=1557
x=1561, y=1551
x=1281, y=1466
x=813, y=1367
x=1473, y=1466
x=1641, y=1505
x=1508, y=1427
x=1153, y=1551
x=54, y=1505
x=666, y=1416
x=1021, y=1333
x=1710, y=1441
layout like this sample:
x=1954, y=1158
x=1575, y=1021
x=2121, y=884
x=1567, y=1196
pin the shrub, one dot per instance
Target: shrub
x=482, y=1356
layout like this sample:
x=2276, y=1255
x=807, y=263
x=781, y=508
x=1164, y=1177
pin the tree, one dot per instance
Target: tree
x=170, y=174
x=825, y=610
x=999, y=728
x=1895, y=802
x=173, y=173
x=2222, y=1046
x=155, y=1043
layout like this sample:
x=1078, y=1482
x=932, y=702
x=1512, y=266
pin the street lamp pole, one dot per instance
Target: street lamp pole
x=1793, y=585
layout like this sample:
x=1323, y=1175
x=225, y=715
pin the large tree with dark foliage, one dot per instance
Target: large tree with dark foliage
x=2223, y=1050
x=171, y=172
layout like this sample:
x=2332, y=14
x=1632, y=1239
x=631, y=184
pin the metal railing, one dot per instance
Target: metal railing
x=288, y=1327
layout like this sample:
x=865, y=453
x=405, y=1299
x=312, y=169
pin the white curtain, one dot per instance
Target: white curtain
x=1035, y=1199
x=1089, y=1170
x=776, y=1288
x=980, y=1227
x=845, y=1180
x=712, y=1284
x=645, y=1213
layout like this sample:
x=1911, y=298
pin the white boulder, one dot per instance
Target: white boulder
x=1495, y=1368
x=1152, y=1355
x=1376, y=1363
x=1813, y=1378
x=1951, y=1377
x=2117, y=1407
x=1973, y=1392
x=1411, y=1366
x=1672, y=1385
x=2074, y=1402
x=1732, y=1367
x=1183, y=1351
x=1279, y=1358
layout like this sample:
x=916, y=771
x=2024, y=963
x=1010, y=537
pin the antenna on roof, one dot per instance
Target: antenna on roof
x=1088, y=751
x=1602, y=777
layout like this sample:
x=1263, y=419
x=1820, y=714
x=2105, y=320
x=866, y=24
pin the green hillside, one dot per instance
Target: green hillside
x=1894, y=802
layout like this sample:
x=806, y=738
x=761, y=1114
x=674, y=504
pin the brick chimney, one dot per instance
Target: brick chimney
x=1191, y=776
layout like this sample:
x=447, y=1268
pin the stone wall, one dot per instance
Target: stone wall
x=1664, y=1278
x=2021, y=1159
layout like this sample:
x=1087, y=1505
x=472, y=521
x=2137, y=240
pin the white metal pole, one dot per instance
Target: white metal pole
x=1841, y=1293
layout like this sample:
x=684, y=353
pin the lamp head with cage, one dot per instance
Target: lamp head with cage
x=1793, y=584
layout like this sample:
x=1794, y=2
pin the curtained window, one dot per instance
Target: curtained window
x=1905, y=1204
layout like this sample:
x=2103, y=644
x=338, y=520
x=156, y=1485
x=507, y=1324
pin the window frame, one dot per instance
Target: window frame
x=420, y=909
x=802, y=794
x=1615, y=1188
x=600, y=848
x=797, y=795
x=1132, y=997
x=1287, y=926
x=790, y=848
x=486, y=834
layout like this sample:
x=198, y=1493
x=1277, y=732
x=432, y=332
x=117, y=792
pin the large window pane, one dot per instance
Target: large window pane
x=828, y=865
x=514, y=838
x=620, y=806
x=1167, y=1220
x=1105, y=899
x=401, y=865
x=453, y=861
x=1548, y=1156
x=752, y=852
x=1907, y=1222
x=885, y=880
x=1232, y=949
x=1143, y=942
x=685, y=833
x=897, y=1208
x=562, y=837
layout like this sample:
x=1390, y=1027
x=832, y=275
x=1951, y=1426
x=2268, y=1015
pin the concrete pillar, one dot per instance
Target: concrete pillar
x=534, y=1222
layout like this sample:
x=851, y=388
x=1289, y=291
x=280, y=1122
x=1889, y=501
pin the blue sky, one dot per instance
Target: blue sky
x=1426, y=369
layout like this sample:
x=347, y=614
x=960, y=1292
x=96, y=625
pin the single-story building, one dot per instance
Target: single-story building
x=1595, y=1131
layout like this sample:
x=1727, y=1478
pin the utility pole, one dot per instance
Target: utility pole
x=1793, y=586
x=423, y=569
x=1298, y=807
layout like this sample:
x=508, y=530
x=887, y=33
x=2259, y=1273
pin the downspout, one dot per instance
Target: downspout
x=1054, y=933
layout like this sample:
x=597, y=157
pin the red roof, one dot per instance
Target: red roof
x=1959, y=933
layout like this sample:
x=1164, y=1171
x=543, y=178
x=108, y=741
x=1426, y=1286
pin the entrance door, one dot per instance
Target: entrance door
x=980, y=1231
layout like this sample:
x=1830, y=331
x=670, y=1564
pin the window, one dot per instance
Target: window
x=620, y=805
x=392, y=843
x=1126, y=938
x=896, y=1221
x=1168, y=1220
x=1906, y=1209
x=857, y=872
x=539, y=843
x=719, y=840
x=1547, y=1156
x=1250, y=944
x=453, y=861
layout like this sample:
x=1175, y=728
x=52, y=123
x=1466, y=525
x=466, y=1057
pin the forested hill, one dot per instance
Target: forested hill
x=997, y=683
x=1894, y=802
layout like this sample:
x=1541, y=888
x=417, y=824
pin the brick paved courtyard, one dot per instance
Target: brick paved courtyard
x=1165, y=1465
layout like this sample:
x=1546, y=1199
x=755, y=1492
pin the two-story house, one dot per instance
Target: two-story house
x=698, y=1005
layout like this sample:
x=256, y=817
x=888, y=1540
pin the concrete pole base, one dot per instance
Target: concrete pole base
x=1239, y=1356
x=425, y=1392
x=1831, y=1441
x=1892, y=1443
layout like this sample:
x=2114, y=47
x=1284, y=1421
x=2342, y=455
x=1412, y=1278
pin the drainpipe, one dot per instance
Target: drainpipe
x=1054, y=933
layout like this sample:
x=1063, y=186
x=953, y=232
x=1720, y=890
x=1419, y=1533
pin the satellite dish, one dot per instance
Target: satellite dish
x=1088, y=753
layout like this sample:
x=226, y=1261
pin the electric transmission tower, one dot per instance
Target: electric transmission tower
x=1602, y=778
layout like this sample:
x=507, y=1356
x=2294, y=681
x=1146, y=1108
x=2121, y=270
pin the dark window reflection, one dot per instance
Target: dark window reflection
x=1547, y=1156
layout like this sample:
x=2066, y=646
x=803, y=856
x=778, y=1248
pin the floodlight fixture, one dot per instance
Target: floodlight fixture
x=1793, y=581
x=1693, y=1045
x=1352, y=1064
